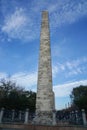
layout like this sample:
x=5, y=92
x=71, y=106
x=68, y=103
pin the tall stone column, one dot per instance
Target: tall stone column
x=45, y=96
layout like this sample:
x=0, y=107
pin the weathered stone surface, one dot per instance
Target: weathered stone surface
x=45, y=95
x=43, y=117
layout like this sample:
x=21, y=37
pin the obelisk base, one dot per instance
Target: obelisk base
x=43, y=118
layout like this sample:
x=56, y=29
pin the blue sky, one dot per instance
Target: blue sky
x=20, y=22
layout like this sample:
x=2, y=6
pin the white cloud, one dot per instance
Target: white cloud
x=62, y=12
x=19, y=25
x=29, y=81
x=74, y=63
x=52, y=7
x=26, y=80
x=75, y=71
x=64, y=90
x=68, y=12
x=76, y=67
x=24, y=24
x=15, y=22
x=71, y=67
x=54, y=71
x=3, y=75
x=23, y=79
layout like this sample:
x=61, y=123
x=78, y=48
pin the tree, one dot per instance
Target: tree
x=79, y=97
x=15, y=97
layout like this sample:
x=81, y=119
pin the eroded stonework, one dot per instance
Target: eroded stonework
x=43, y=117
x=45, y=96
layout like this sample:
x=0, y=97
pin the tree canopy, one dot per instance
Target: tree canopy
x=79, y=97
x=15, y=97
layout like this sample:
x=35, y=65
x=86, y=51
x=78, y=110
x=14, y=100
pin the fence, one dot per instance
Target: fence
x=59, y=117
x=15, y=116
x=72, y=117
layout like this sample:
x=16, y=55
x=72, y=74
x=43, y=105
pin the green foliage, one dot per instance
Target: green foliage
x=15, y=97
x=79, y=97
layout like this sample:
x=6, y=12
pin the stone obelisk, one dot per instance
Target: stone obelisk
x=45, y=96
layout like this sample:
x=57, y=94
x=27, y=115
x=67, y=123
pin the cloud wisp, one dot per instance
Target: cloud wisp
x=64, y=90
x=23, y=79
x=74, y=67
x=23, y=23
x=67, y=12
x=29, y=81
x=17, y=26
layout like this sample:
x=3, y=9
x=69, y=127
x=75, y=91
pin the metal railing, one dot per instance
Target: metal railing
x=71, y=117
x=59, y=117
x=15, y=116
